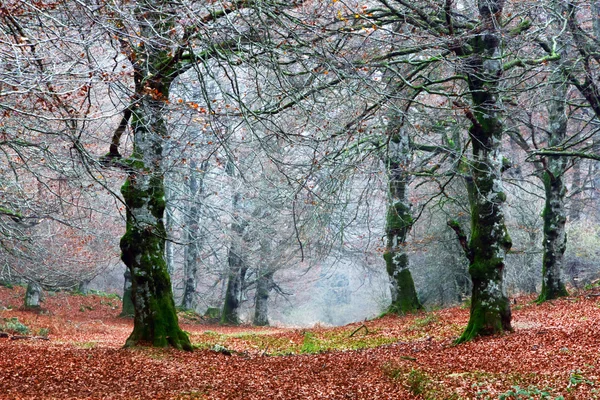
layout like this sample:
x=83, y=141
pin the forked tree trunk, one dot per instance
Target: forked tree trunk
x=143, y=245
x=490, y=307
x=398, y=224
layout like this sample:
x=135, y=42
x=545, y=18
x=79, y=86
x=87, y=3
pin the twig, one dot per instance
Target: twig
x=358, y=329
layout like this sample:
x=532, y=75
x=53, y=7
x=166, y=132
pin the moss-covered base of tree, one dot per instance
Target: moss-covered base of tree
x=406, y=299
x=142, y=246
x=489, y=315
x=551, y=294
x=162, y=331
x=229, y=316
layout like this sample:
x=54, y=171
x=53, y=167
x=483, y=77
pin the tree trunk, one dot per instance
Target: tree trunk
x=264, y=285
x=143, y=245
x=237, y=270
x=555, y=237
x=128, y=310
x=33, y=295
x=555, y=214
x=490, y=308
x=190, y=258
x=576, y=201
x=193, y=234
x=398, y=224
x=84, y=287
x=235, y=284
x=169, y=221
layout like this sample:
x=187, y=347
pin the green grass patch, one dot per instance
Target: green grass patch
x=306, y=342
x=13, y=325
x=427, y=320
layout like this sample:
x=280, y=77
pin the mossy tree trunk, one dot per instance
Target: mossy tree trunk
x=555, y=213
x=398, y=224
x=143, y=245
x=33, y=295
x=490, y=308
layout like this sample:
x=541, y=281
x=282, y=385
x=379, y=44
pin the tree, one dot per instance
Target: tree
x=489, y=240
x=155, y=65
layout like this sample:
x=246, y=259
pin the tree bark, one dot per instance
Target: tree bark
x=169, y=222
x=261, y=300
x=128, y=309
x=237, y=270
x=398, y=224
x=193, y=236
x=555, y=214
x=33, y=295
x=490, y=308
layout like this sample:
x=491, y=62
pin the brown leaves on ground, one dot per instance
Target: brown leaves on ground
x=553, y=352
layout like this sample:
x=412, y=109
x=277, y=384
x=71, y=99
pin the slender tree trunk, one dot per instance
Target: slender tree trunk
x=193, y=236
x=576, y=200
x=398, y=224
x=237, y=270
x=490, y=308
x=169, y=245
x=264, y=285
x=555, y=214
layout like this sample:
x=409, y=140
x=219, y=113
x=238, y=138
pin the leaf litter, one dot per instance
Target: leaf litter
x=554, y=351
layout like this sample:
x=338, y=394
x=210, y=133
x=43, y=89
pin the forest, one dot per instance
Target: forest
x=378, y=177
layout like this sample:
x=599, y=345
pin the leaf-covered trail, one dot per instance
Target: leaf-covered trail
x=554, y=349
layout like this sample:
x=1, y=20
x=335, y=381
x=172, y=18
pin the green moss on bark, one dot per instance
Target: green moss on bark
x=555, y=239
x=142, y=246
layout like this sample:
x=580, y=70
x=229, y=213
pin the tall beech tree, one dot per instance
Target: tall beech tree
x=155, y=64
x=489, y=239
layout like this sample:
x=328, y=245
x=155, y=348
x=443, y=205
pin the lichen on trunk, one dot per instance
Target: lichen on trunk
x=555, y=213
x=490, y=308
x=555, y=238
x=398, y=224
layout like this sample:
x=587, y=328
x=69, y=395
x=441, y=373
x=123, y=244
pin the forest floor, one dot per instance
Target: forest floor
x=554, y=352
